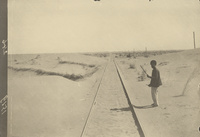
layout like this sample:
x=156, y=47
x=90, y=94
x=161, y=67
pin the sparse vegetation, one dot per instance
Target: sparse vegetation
x=142, y=76
x=38, y=56
x=123, y=62
x=146, y=55
x=100, y=54
x=132, y=66
x=76, y=63
x=44, y=72
x=128, y=55
x=40, y=65
x=163, y=63
x=58, y=58
x=142, y=53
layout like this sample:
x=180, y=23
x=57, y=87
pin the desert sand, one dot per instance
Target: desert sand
x=50, y=95
x=178, y=114
x=50, y=105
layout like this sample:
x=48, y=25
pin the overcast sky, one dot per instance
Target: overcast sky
x=53, y=26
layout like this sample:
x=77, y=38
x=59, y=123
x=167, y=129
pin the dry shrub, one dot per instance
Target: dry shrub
x=76, y=63
x=123, y=62
x=37, y=57
x=146, y=55
x=128, y=55
x=142, y=76
x=44, y=72
x=132, y=66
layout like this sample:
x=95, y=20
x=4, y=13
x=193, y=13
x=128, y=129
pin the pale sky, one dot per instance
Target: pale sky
x=54, y=26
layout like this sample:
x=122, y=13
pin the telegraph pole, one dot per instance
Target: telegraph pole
x=194, y=40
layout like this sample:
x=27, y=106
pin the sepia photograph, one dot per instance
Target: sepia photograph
x=99, y=68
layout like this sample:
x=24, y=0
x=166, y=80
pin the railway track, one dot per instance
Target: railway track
x=111, y=112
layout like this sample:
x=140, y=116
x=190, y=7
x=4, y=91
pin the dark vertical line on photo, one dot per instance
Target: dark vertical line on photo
x=3, y=67
x=194, y=40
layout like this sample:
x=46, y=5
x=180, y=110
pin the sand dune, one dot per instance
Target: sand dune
x=65, y=65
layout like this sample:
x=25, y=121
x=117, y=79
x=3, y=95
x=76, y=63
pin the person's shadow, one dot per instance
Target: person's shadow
x=129, y=109
x=143, y=107
x=121, y=109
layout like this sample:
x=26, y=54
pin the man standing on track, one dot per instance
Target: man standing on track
x=155, y=83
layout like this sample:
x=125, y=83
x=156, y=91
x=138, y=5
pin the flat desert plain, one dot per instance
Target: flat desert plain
x=50, y=95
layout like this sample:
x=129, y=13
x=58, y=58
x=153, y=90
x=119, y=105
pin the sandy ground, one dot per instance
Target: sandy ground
x=111, y=115
x=54, y=106
x=178, y=114
x=50, y=106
